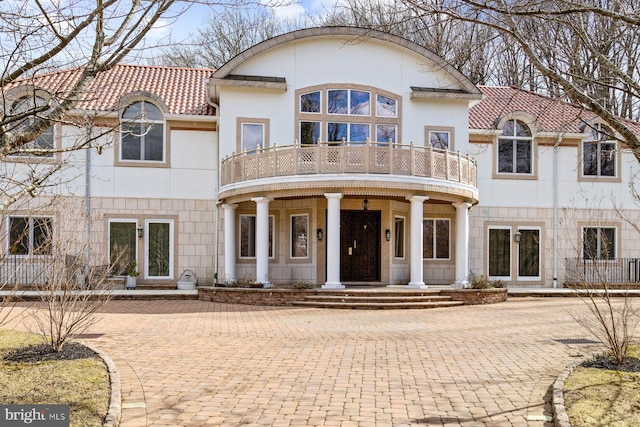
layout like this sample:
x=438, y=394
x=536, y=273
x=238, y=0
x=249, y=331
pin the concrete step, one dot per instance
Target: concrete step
x=377, y=299
x=379, y=292
x=377, y=305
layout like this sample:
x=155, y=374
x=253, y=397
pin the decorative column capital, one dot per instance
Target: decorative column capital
x=261, y=199
x=416, y=198
x=229, y=206
x=462, y=205
x=333, y=195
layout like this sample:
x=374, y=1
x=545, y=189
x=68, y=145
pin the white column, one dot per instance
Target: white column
x=417, y=274
x=229, y=242
x=333, y=241
x=462, y=245
x=262, y=240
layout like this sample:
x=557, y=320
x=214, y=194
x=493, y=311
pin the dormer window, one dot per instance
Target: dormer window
x=142, y=133
x=32, y=107
x=515, y=148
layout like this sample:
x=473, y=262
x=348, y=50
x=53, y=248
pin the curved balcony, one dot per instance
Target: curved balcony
x=429, y=165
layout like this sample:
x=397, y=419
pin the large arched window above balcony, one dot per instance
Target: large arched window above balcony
x=347, y=113
x=142, y=132
x=515, y=153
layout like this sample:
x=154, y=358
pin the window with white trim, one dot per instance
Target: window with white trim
x=439, y=139
x=436, y=234
x=299, y=236
x=142, y=132
x=158, y=249
x=599, y=153
x=499, y=252
x=515, y=149
x=123, y=244
x=346, y=115
x=30, y=235
x=598, y=243
x=252, y=136
x=248, y=236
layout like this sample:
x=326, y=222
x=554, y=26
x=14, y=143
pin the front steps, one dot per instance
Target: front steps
x=378, y=299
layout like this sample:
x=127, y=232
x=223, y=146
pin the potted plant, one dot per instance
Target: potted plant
x=132, y=275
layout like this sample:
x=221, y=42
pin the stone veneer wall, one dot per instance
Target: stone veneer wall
x=195, y=222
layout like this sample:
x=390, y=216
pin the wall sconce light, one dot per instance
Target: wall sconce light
x=365, y=205
x=516, y=237
x=320, y=234
x=140, y=231
x=387, y=235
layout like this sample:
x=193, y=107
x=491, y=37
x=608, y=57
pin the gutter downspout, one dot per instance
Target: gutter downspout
x=216, y=234
x=556, y=148
x=87, y=201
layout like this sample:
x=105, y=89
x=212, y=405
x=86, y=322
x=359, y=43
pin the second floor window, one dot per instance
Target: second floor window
x=32, y=106
x=515, y=148
x=347, y=115
x=142, y=132
x=599, y=153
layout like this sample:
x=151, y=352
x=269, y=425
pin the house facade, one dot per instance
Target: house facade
x=336, y=156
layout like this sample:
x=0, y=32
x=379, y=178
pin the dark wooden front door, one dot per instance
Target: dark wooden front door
x=359, y=246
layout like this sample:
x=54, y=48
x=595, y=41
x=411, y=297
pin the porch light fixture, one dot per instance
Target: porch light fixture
x=140, y=231
x=516, y=237
x=387, y=235
x=365, y=205
x=319, y=234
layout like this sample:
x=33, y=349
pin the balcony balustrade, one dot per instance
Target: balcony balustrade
x=350, y=158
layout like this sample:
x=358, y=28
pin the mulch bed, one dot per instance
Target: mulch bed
x=43, y=352
x=631, y=364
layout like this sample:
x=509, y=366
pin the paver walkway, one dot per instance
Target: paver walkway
x=192, y=363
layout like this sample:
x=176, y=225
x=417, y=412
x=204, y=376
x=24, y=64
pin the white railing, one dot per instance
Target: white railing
x=351, y=158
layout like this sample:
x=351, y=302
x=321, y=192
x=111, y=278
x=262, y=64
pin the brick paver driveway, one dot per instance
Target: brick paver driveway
x=185, y=363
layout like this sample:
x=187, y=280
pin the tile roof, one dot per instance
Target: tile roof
x=183, y=90
x=551, y=115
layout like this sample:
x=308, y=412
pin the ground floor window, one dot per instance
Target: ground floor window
x=500, y=252
x=519, y=243
x=299, y=236
x=159, y=248
x=599, y=242
x=122, y=244
x=248, y=236
x=30, y=235
x=398, y=237
x=436, y=239
x=155, y=237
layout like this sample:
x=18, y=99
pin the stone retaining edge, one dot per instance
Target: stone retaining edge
x=114, y=413
x=560, y=416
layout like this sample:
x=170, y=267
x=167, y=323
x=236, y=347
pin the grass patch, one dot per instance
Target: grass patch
x=600, y=397
x=83, y=384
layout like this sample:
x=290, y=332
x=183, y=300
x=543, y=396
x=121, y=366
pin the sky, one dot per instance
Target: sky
x=189, y=22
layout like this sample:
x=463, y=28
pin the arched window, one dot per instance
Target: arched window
x=142, y=132
x=27, y=109
x=347, y=113
x=515, y=148
x=599, y=152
